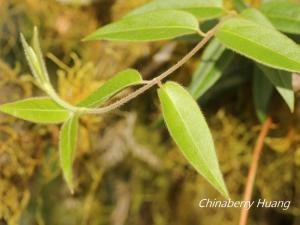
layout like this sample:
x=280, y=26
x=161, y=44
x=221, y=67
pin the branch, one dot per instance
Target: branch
x=253, y=168
x=155, y=80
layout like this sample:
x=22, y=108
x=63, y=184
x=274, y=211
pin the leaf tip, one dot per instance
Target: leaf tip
x=35, y=30
x=71, y=187
x=226, y=194
x=23, y=41
x=68, y=177
x=35, y=36
x=291, y=105
x=221, y=188
x=88, y=38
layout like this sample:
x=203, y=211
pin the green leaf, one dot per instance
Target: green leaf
x=39, y=54
x=256, y=16
x=67, y=145
x=260, y=43
x=202, y=9
x=120, y=81
x=33, y=61
x=284, y=15
x=213, y=62
x=239, y=5
x=282, y=80
x=188, y=128
x=262, y=93
x=152, y=26
x=38, y=110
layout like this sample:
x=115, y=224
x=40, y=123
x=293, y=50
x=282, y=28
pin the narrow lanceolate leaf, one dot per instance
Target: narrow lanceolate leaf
x=262, y=93
x=282, y=80
x=260, y=43
x=39, y=54
x=213, y=62
x=284, y=15
x=157, y=25
x=67, y=145
x=120, y=81
x=32, y=60
x=39, y=110
x=188, y=128
x=202, y=9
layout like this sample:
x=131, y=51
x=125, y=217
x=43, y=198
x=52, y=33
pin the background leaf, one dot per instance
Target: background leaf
x=260, y=43
x=262, y=93
x=39, y=110
x=213, y=62
x=120, y=81
x=284, y=15
x=239, y=5
x=202, y=9
x=39, y=54
x=282, y=80
x=157, y=25
x=188, y=128
x=256, y=16
x=67, y=145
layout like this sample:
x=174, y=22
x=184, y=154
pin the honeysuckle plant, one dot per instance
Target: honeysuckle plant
x=257, y=34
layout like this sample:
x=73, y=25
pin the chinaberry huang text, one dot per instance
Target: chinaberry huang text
x=260, y=203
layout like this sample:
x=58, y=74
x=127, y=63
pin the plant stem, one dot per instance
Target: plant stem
x=253, y=168
x=52, y=94
x=155, y=80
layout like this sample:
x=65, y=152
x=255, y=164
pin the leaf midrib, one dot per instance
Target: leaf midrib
x=152, y=28
x=36, y=110
x=193, y=143
x=196, y=6
x=69, y=147
x=255, y=43
x=283, y=17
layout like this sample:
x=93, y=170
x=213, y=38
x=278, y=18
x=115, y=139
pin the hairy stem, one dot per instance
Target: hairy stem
x=52, y=94
x=155, y=80
x=253, y=168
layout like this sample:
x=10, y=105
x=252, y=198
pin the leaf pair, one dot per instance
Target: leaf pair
x=254, y=36
x=260, y=43
x=54, y=110
x=68, y=134
x=253, y=45
x=35, y=59
x=282, y=80
x=45, y=110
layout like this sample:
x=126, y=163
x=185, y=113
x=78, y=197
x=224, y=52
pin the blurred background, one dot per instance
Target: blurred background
x=128, y=170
